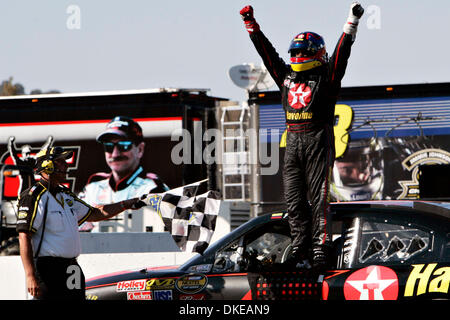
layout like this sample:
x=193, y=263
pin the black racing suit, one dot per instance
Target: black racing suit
x=308, y=98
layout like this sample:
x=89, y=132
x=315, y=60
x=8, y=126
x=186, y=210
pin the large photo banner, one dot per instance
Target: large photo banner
x=389, y=141
x=74, y=121
x=381, y=141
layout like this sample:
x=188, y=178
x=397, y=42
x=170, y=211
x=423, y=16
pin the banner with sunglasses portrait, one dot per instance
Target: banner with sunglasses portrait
x=76, y=120
x=122, y=146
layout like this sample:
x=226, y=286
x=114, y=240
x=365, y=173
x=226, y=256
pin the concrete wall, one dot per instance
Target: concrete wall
x=104, y=253
x=12, y=276
x=133, y=242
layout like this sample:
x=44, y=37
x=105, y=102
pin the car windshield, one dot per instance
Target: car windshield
x=208, y=256
x=263, y=248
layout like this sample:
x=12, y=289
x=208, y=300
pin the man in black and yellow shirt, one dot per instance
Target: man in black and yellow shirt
x=48, y=218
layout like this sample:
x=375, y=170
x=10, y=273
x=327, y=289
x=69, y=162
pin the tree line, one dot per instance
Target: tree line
x=9, y=88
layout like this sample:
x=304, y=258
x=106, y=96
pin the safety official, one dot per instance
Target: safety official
x=48, y=218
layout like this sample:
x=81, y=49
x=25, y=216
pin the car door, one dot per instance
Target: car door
x=389, y=256
x=252, y=267
x=227, y=279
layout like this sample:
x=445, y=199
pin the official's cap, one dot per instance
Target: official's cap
x=50, y=154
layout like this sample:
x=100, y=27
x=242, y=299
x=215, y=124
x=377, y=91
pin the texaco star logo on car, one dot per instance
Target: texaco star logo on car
x=372, y=283
x=299, y=96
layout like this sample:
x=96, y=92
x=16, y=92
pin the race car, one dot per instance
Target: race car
x=382, y=250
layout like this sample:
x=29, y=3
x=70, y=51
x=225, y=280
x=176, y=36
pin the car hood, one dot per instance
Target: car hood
x=144, y=273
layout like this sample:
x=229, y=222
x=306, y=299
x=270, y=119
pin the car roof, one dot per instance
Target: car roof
x=425, y=207
x=429, y=208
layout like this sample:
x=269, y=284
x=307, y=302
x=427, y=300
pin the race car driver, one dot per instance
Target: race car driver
x=48, y=219
x=124, y=146
x=309, y=87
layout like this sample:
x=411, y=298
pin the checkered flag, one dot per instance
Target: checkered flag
x=189, y=213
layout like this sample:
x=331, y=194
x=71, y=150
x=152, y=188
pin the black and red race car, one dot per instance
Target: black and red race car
x=382, y=250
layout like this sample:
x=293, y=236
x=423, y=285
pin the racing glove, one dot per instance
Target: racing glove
x=351, y=26
x=249, y=20
x=140, y=202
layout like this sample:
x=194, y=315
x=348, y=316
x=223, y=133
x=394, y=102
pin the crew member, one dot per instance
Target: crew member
x=124, y=145
x=48, y=219
x=309, y=87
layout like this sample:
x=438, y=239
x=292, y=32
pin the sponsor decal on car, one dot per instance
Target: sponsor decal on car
x=428, y=279
x=159, y=284
x=91, y=297
x=372, y=283
x=202, y=268
x=198, y=296
x=162, y=295
x=191, y=283
x=276, y=216
x=131, y=285
x=143, y=295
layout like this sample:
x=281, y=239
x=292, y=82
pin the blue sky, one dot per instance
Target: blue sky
x=192, y=44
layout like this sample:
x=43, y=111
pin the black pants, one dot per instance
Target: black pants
x=308, y=163
x=60, y=279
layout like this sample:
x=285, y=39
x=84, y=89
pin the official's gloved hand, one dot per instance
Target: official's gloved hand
x=356, y=12
x=133, y=203
x=138, y=203
x=249, y=20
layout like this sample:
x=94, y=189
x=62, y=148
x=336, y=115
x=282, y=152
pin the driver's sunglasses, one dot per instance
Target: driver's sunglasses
x=122, y=146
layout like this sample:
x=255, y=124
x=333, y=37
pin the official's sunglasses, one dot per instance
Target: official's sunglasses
x=122, y=146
